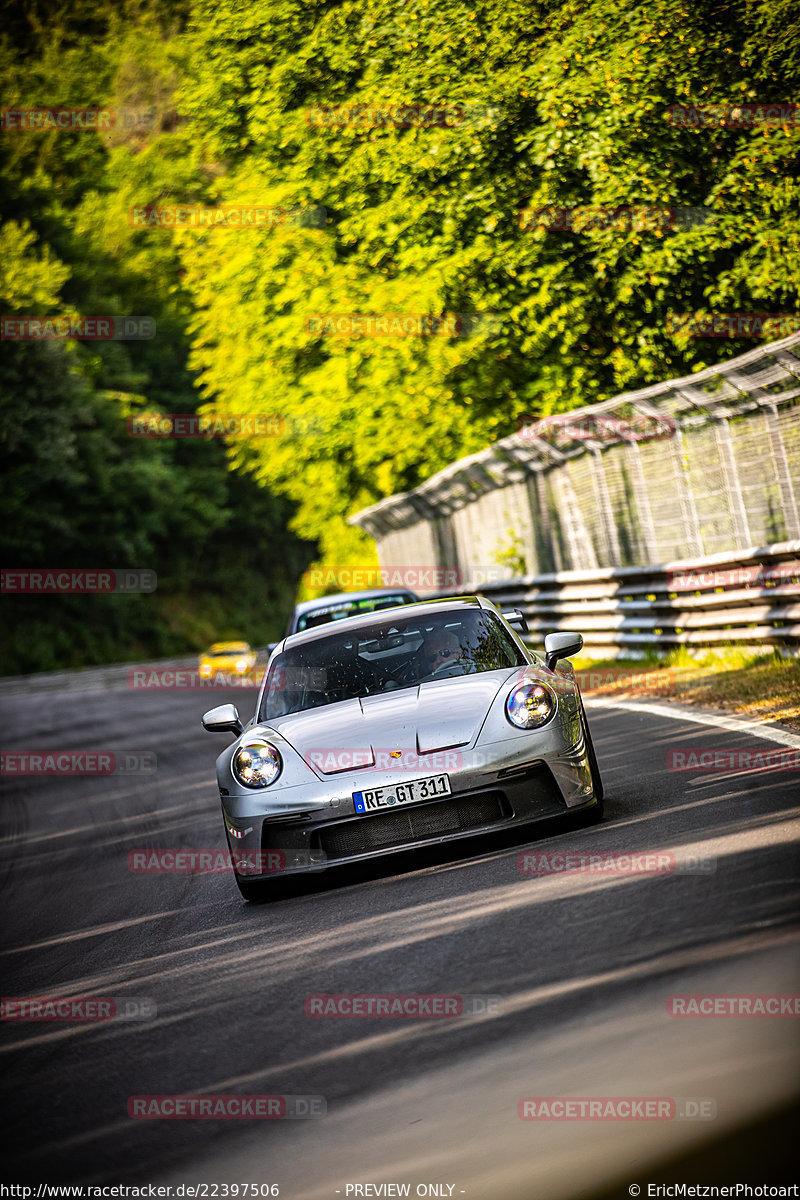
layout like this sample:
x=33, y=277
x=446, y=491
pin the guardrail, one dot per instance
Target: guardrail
x=110, y=678
x=752, y=597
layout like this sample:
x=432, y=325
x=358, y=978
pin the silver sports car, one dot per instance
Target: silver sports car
x=399, y=729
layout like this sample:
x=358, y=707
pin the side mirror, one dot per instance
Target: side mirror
x=561, y=645
x=516, y=620
x=224, y=719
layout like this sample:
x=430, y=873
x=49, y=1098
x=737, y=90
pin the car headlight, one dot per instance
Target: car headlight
x=241, y=666
x=256, y=764
x=205, y=669
x=530, y=705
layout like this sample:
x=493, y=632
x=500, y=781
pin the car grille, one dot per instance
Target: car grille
x=411, y=824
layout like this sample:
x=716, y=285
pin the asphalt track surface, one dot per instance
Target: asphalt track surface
x=583, y=967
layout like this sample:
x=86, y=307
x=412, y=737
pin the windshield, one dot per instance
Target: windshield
x=348, y=608
x=388, y=655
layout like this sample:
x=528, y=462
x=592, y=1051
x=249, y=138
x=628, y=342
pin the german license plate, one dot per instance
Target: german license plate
x=412, y=791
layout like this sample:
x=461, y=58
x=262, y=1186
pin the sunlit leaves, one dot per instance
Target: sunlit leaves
x=426, y=220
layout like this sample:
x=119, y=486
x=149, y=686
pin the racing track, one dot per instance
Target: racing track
x=584, y=966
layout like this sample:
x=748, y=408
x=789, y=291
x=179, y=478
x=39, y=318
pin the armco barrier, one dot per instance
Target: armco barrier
x=747, y=598
x=113, y=677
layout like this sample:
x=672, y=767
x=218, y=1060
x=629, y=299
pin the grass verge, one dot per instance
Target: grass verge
x=735, y=679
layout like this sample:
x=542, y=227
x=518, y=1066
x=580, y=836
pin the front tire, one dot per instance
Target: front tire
x=594, y=770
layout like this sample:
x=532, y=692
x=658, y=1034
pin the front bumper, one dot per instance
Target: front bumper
x=326, y=831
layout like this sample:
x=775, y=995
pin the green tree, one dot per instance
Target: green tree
x=568, y=105
x=79, y=490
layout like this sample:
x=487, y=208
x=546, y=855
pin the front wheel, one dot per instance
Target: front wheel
x=597, y=779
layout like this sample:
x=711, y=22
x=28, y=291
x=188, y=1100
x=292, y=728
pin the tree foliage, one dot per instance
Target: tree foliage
x=568, y=107
x=79, y=491
x=553, y=105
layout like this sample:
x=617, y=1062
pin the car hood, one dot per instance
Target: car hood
x=432, y=716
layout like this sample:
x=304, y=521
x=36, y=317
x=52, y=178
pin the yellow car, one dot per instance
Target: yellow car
x=231, y=658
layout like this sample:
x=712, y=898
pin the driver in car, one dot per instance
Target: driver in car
x=440, y=648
